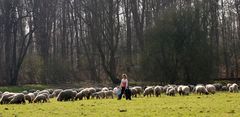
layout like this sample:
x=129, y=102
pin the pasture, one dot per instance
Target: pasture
x=222, y=104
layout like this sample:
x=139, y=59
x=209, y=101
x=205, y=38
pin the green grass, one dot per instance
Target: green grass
x=22, y=88
x=220, y=104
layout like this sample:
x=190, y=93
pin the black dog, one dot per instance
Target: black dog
x=128, y=94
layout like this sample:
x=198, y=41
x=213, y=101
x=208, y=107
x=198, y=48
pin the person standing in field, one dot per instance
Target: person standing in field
x=123, y=85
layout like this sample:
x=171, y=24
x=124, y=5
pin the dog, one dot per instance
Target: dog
x=128, y=94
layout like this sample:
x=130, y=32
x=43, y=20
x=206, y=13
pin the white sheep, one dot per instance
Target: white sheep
x=183, y=90
x=148, y=91
x=158, y=90
x=211, y=88
x=199, y=89
x=17, y=98
x=233, y=88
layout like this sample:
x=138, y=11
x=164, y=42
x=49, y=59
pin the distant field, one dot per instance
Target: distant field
x=220, y=105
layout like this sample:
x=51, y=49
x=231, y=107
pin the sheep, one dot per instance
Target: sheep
x=105, y=89
x=40, y=98
x=6, y=97
x=56, y=92
x=109, y=94
x=18, y=98
x=50, y=91
x=158, y=90
x=139, y=89
x=66, y=95
x=211, y=88
x=148, y=91
x=233, y=88
x=43, y=92
x=86, y=93
x=171, y=92
x=218, y=86
x=102, y=94
x=79, y=96
x=96, y=95
x=29, y=97
x=183, y=90
x=91, y=91
x=134, y=91
x=224, y=88
x=199, y=89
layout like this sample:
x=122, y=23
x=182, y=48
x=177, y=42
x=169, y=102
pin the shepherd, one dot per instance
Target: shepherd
x=123, y=85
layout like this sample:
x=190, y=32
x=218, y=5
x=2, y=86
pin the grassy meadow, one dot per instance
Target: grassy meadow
x=221, y=104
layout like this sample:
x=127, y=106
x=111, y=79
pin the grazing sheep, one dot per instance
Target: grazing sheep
x=51, y=96
x=139, y=90
x=40, y=98
x=18, y=98
x=171, y=92
x=6, y=97
x=79, y=96
x=30, y=97
x=229, y=84
x=91, y=91
x=66, y=95
x=224, y=88
x=134, y=91
x=211, y=88
x=25, y=92
x=95, y=95
x=86, y=93
x=199, y=89
x=183, y=90
x=44, y=92
x=218, y=86
x=102, y=94
x=105, y=89
x=50, y=91
x=158, y=90
x=148, y=91
x=56, y=92
x=233, y=88
x=109, y=94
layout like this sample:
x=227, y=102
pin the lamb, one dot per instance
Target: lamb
x=183, y=90
x=211, y=88
x=233, y=88
x=18, y=98
x=40, y=98
x=6, y=97
x=148, y=91
x=109, y=94
x=158, y=90
x=66, y=95
x=30, y=97
x=199, y=89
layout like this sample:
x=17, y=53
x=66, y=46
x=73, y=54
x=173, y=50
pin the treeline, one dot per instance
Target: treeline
x=68, y=41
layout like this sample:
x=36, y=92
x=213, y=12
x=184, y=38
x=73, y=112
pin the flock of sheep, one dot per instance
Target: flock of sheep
x=36, y=96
